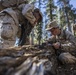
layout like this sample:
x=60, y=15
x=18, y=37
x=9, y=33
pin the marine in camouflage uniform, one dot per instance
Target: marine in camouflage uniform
x=11, y=18
x=63, y=41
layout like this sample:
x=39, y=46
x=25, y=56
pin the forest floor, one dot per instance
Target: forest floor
x=32, y=60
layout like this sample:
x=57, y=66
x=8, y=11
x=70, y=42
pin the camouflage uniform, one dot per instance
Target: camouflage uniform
x=67, y=44
x=10, y=18
x=67, y=40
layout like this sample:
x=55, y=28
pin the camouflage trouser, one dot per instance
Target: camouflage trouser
x=8, y=31
x=67, y=58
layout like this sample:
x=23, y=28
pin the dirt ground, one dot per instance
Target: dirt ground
x=31, y=60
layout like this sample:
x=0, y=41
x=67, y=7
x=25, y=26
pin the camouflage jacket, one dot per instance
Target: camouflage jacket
x=22, y=9
x=66, y=39
x=22, y=15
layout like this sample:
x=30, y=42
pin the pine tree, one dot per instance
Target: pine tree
x=39, y=27
x=51, y=10
x=65, y=8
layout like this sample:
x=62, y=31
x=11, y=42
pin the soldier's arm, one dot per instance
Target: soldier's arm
x=28, y=13
x=71, y=37
x=68, y=47
x=71, y=45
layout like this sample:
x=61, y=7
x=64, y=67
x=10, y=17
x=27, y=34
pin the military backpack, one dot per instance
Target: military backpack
x=10, y=3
